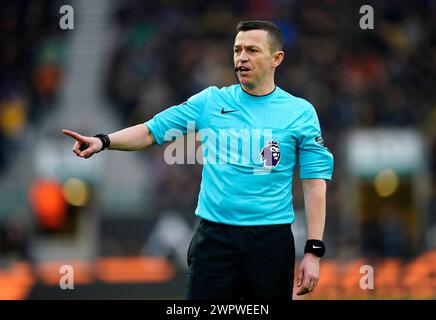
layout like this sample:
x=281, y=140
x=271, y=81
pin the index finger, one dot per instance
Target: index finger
x=73, y=135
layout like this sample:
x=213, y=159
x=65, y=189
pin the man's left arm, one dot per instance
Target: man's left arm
x=315, y=208
x=316, y=166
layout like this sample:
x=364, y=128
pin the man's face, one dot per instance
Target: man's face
x=253, y=57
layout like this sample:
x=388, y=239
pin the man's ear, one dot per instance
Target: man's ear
x=278, y=58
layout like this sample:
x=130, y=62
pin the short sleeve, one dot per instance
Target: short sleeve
x=316, y=161
x=177, y=120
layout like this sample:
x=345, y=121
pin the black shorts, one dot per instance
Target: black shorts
x=239, y=262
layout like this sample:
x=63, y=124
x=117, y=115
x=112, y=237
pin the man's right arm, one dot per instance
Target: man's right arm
x=140, y=136
x=132, y=138
x=129, y=139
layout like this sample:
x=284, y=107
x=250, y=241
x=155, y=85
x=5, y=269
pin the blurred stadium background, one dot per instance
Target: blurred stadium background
x=124, y=220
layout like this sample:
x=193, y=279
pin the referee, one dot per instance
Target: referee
x=243, y=247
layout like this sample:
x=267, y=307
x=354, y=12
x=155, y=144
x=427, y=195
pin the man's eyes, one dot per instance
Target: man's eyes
x=249, y=50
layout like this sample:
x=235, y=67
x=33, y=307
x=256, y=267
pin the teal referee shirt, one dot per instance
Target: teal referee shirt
x=251, y=145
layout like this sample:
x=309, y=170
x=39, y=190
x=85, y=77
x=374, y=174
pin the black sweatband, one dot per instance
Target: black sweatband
x=104, y=140
x=315, y=247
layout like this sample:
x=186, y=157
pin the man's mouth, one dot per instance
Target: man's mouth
x=241, y=69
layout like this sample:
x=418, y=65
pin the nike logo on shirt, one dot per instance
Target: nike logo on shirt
x=227, y=111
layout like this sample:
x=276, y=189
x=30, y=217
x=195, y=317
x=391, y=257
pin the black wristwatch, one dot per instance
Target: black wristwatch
x=315, y=247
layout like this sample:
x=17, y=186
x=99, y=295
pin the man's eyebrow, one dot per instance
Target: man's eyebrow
x=249, y=46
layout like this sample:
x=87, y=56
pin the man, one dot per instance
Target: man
x=244, y=247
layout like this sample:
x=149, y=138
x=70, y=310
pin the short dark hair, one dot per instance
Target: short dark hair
x=274, y=32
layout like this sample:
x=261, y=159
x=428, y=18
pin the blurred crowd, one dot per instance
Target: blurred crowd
x=31, y=45
x=31, y=64
x=167, y=50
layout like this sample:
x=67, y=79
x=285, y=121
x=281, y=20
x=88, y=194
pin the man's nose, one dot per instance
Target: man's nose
x=243, y=57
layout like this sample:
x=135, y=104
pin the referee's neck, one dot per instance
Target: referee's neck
x=259, y=90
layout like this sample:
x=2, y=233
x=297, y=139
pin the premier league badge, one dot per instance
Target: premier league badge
x=270, y=154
